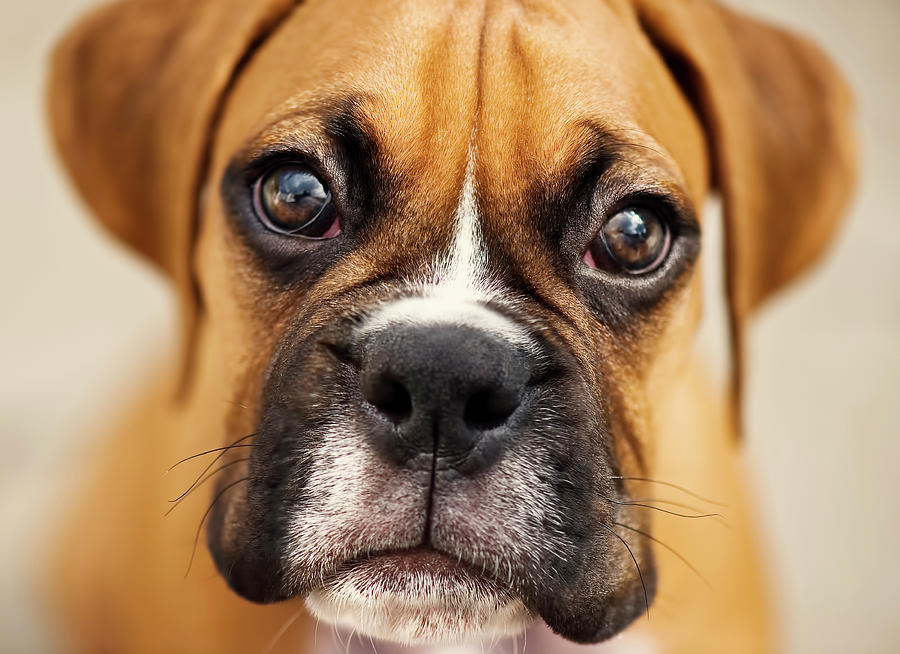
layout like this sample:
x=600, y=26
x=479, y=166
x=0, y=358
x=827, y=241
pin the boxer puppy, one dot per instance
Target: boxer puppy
x=438, y=265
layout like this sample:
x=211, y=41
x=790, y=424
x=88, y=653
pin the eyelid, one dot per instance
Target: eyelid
x=268, y=160
x=619, y=185
x=663, y=202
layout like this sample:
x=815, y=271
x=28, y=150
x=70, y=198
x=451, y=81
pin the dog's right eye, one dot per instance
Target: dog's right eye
x=634, y=240
x=291, y=200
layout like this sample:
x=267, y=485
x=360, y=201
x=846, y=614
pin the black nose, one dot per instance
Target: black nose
x=448, y=391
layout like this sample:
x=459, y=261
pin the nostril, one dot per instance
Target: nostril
x=489, y=409
x=390, y=397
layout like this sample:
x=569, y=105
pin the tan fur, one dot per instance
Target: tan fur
x=151, y=100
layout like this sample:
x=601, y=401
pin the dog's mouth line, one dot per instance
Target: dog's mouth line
x=418, y=561
x=419, y=556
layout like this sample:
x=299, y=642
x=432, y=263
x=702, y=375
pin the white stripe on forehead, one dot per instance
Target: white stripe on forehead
x=457, y=287
x=467, y=264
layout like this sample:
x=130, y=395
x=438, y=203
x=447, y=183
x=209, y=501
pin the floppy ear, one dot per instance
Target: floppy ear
x=777, y=118
x=135, y=90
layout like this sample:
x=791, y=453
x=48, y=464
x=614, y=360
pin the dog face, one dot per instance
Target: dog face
x=447, y=368
x=447, y=260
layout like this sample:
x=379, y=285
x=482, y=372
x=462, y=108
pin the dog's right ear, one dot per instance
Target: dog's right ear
x=778, y=122
x=135, y=90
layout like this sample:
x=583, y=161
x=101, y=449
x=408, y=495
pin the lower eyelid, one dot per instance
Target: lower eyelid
x=334, y=230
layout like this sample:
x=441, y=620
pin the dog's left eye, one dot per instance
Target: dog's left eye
x=635, y=239
x=291, y=200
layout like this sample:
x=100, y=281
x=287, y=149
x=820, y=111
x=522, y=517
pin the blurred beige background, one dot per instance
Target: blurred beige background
x=823, y=394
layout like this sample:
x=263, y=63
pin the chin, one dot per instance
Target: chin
x=416, y=598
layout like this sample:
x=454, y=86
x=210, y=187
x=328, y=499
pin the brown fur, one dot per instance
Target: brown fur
x=151, y=101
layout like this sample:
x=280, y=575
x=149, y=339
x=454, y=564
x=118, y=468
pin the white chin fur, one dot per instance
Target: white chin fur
x=418, y=607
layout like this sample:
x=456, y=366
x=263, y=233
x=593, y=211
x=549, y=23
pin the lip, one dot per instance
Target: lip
x=416, y=559
x=405, y=570
x=411, y=564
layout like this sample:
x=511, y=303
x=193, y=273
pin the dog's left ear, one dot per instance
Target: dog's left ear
x=777, y=117
x=134, y=94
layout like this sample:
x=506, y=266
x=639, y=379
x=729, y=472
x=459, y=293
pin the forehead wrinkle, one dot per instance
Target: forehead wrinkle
x=422, y=68
x=546, y=62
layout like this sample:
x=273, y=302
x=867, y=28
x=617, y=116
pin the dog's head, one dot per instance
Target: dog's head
x=445, y=258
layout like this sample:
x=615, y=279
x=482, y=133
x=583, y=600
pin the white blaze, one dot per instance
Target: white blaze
x=457, y=287
x=467, y=264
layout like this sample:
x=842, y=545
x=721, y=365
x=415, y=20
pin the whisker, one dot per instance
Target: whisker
x=638, y=567
x=200, y=481
x=670, y=549
x=346, y=648
x=287, y=625
x=671, y=485
x=645, y=147
x=238, y=404
x=622, y=159
x=631, y=144
x=203, y=519
x=655, y=500
x=336, y=638
x=656, y=508
x=215, y=449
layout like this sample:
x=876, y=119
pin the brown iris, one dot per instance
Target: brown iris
x=635, y=240
x=291, y=200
